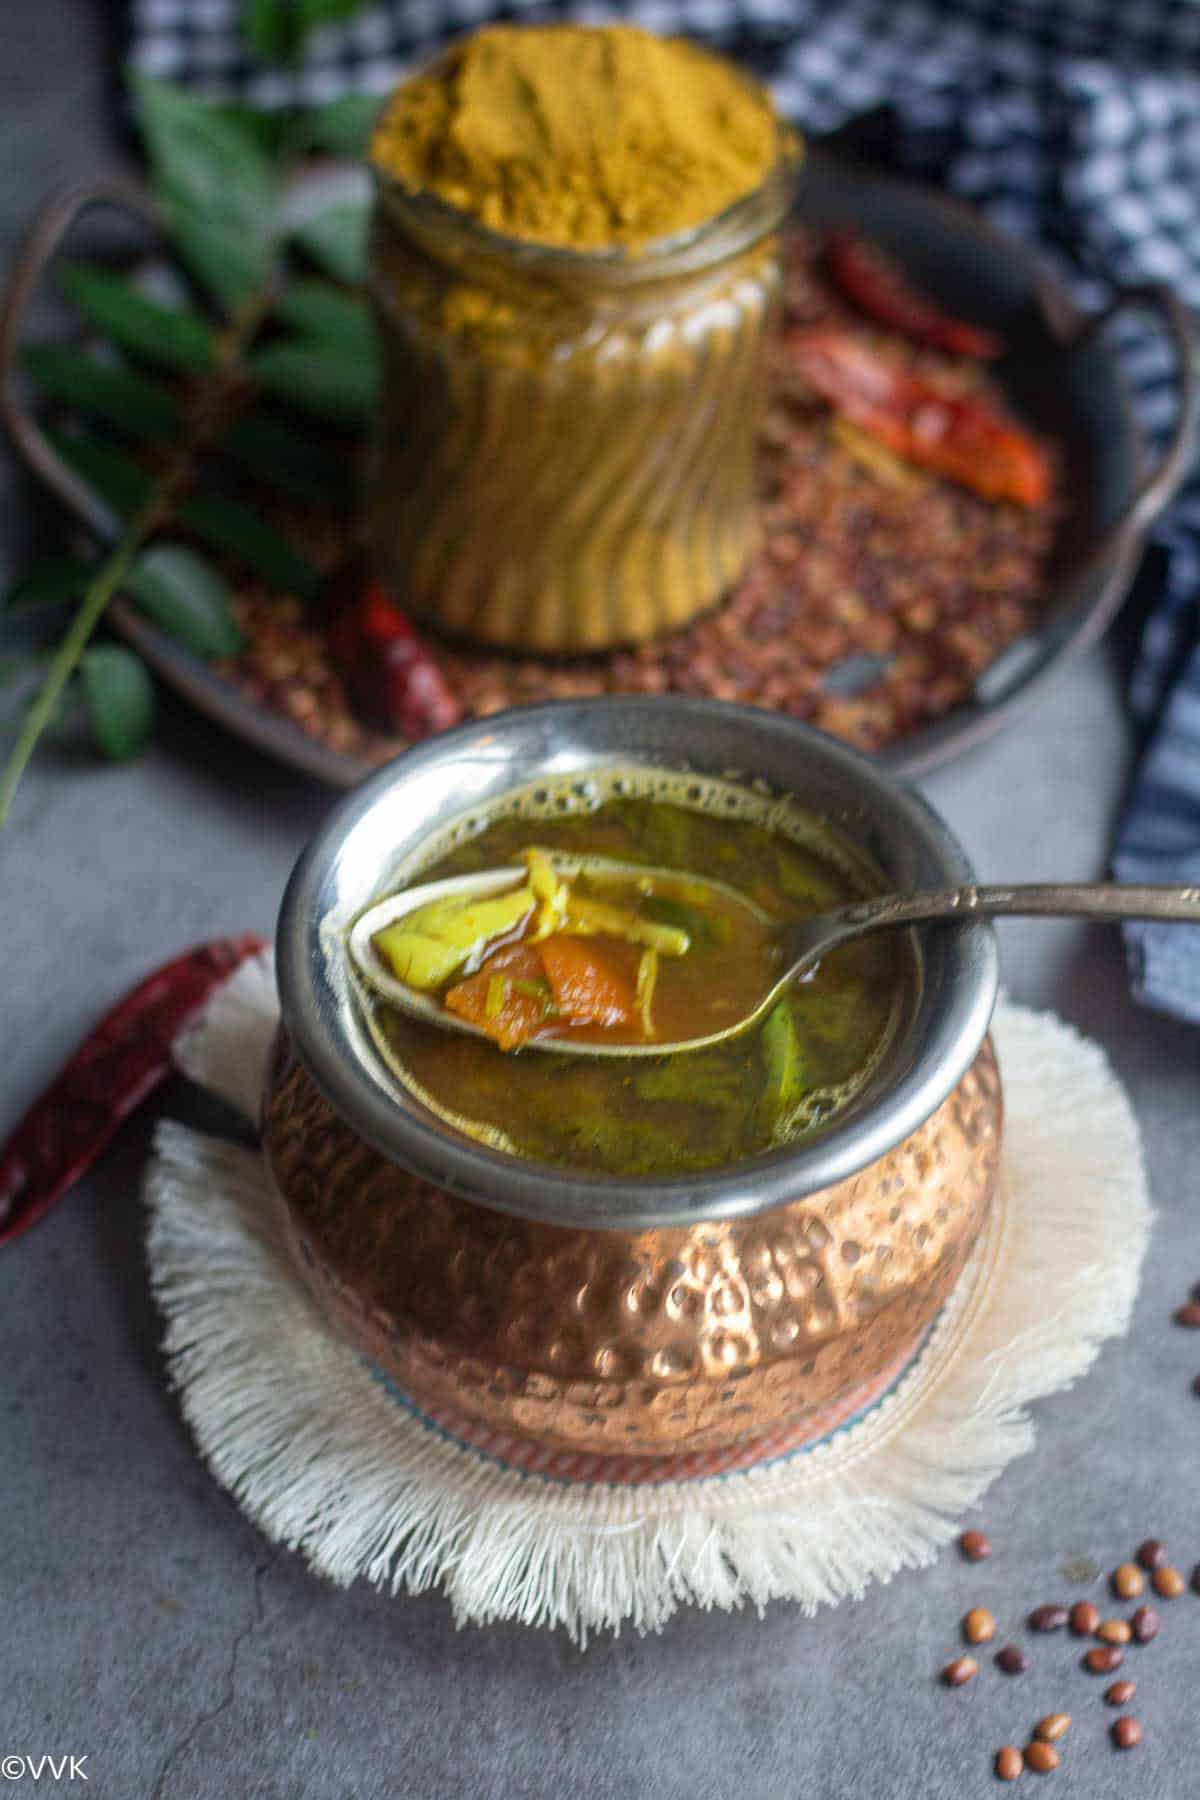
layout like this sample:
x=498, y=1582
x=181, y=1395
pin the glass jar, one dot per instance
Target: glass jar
x=564, y=454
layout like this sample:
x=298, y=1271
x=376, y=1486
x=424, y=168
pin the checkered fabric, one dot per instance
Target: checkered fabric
x=1075, y=124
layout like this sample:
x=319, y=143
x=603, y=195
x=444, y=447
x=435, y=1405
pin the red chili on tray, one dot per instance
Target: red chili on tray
x=118, y=1064
x=391, y=676
x=879, y=288
x=954, y=435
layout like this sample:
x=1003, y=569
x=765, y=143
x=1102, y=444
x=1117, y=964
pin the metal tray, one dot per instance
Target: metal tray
x=1059, y=373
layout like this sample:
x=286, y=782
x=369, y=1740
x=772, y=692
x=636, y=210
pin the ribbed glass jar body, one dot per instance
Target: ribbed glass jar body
x=564, y=452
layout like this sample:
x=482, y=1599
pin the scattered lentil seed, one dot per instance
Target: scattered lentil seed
x=1189, y=1315
x=1105, y=1659
x=1126, y=1732
x=1041, y=1758
x=979, y=1627
x=974, y=1546
x=1128, y=1581
x=1114, y=1631
x=1168, y=1582
x=1009, y=1763
x=1120, y=1693
x=1152, y=1554
x=1145, y=1624
x=1084, y=1618
x=960, y=1671
x=1052, y=1727
x=1048, y=1618
x=1012, y=1660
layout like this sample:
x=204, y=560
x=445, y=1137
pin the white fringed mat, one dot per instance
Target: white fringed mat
x=330, y=1460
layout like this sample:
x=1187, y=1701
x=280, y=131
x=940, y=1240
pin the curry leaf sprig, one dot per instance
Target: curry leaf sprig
x=177, y=401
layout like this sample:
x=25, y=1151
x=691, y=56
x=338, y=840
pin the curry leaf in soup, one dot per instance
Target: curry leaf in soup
x=784, y=1076
x=589, y=1134
x=700, y=1078
x=664, y=833
x=804, y=879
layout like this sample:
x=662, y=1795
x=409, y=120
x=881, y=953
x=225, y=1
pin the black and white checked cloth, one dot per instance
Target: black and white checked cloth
x=1075, y=124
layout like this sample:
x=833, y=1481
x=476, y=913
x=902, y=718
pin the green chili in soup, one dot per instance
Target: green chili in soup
x=639, y=958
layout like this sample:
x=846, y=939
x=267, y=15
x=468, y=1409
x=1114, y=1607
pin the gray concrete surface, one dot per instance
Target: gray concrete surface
x=149, y=1628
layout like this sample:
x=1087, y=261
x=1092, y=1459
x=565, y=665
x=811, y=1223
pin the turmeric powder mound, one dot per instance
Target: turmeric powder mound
x=585, y=137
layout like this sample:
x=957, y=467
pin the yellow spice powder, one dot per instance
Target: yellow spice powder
x=585, y=137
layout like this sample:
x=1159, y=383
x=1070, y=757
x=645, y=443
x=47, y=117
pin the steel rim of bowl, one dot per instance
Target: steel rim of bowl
x=343, y=868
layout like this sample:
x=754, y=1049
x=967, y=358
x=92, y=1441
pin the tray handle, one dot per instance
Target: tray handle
x=1121, y=544
x=52, y=224
x=1160, y=485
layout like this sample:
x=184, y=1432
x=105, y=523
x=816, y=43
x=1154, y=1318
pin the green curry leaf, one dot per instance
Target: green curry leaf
x=276, y=29
x=269, y=130
x=783, y=1062
x=185, y=597
x=122, y=483
x=293, y=463
x=344, y=127
x=318, y=309
x=51, y=581
x=118, y=396
x=171, y=335
x=120, y=700
x=336, y=240
x=335, y=383
x=217, y=187
x=228, y=525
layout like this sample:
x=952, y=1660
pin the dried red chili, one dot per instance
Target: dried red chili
x=392, y=678
x=118, y=1064
x=958, y=436
x=874, y=283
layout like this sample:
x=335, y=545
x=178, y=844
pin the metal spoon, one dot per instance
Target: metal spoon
x=800, y=943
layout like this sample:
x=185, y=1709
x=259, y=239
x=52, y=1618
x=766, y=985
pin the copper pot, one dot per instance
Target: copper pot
x=639, y=1318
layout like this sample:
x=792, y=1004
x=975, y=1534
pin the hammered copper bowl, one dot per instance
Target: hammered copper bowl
x=639, y=1318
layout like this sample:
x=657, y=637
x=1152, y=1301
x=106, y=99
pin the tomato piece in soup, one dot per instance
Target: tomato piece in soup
x=587, y=988
x=509, y=997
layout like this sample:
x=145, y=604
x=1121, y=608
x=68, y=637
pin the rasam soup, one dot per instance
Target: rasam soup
x=639, y=958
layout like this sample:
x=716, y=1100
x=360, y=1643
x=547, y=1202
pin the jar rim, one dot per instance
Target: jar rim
x=753, y=216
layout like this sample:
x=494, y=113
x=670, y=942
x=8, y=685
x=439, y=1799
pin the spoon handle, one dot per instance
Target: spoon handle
x=1104, y=900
